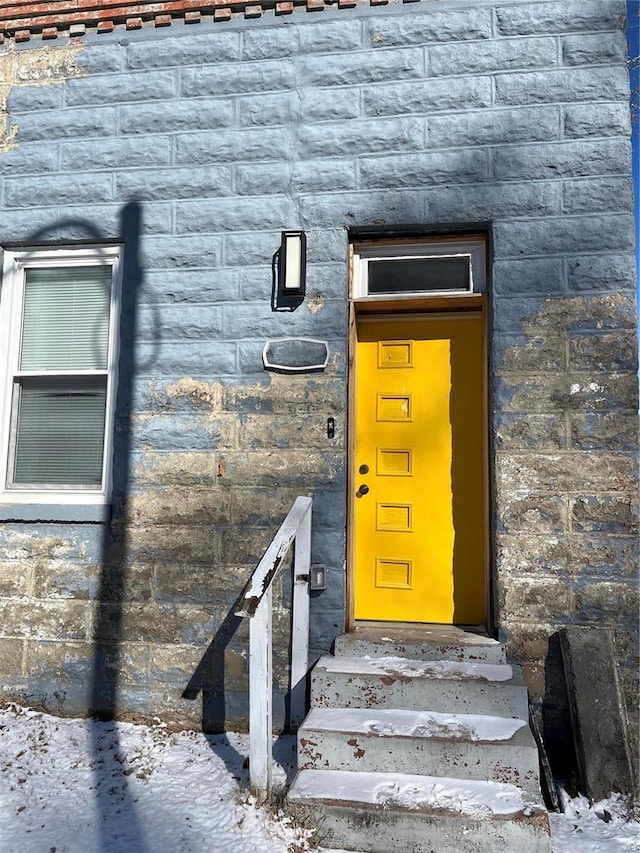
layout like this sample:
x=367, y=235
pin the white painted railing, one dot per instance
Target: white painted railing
x=256, y=603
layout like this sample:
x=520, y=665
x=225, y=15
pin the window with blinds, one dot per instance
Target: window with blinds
x=61, y=359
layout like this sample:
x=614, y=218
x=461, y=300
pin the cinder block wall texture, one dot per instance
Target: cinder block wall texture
x=196, y=146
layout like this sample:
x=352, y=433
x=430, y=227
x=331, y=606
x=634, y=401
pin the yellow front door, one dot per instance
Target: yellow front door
x=418, y=475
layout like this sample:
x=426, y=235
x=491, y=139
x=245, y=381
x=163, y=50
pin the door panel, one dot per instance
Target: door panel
x=418, y=511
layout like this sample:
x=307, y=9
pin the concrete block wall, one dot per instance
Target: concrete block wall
x=510, y=116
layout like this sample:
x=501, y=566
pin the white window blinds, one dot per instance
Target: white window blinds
x=60, y=387
x=65, y=323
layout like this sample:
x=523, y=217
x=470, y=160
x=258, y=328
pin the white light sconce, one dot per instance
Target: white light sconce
x=292, y=264
x=318, y=577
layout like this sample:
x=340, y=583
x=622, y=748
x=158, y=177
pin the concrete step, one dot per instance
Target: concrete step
x=385, y=812
x=462, y=746
x=443, y=686
x=420, y=642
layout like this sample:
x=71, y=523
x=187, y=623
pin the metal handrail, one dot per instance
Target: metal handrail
x=256, y=604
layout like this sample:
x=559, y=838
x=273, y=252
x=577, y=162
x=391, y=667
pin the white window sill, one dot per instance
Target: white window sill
x=32, y=512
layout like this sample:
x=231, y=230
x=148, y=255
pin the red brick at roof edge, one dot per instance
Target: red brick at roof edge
x=73, y=17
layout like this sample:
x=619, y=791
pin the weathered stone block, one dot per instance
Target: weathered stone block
x=363, y=136
x=604, y=431
x=262, y=432
x=244, y=546
x=565, y=160
x=11, y=653
x=258, y=321
x=605, y=514
x=179, y=505
x=565, y=472
x=607, y=352
x=64, y=620
x=185, y=358
x=173, y=184
x=30, y=159
x=153, y=544
x=497, y=55
x=158, y=118
x=141, y=86
x=194, y=50
x=193, y=286
x=94, y=154
x=71, y=542
x=60, y=579
x=526, y=642
x=494, y=127
x=322, y=105
x=547, y=87
x=605, y=603
x=601, y=272
x=609, y=558
x=601, y=49
x=483, y=201
x=237, y=214
x=122, y=578
x=15, y=578
x=281, y=468
x=424, y=96
x=564, y=236
x=606, y=194
x=565, y=393
x=230, y=146
x=531, y=432
x=157, y=219
x=43, y=190
x=530, y=354
x=265, y=76
x=364, y=208
x=543, y=276
x=192, y=432
x=452, y=25
x=539, y=514
x=156, y=623
x=431, y=169
x=349, y=69
x=199, y=584
x=101, y=59
x=67, y=124
x=317, y=37
x=565, y=16
x=267, y=110
x=174, y=468
x=596, y=120
x=531, y=555
x=34, y=98
x=536, y=599
x=181, y=252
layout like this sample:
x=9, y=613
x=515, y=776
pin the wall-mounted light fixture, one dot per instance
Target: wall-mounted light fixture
x=292, y=264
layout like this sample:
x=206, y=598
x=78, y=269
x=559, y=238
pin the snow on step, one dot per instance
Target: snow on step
x=398, y=667
x=422, y=724
x=398, y=790
x=443, y=686
x=473, y=746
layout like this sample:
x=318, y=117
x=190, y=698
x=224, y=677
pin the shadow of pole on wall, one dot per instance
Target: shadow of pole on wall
x=118, y=822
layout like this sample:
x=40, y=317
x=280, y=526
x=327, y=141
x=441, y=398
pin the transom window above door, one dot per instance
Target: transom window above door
x=426, y=268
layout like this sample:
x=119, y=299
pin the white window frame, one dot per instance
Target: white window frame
x=11, y=305
x=473, y=249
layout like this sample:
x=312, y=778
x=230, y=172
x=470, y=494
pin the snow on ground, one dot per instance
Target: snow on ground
x=79, y=786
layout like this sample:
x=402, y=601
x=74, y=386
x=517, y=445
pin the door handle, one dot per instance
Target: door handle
x=362, y=490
